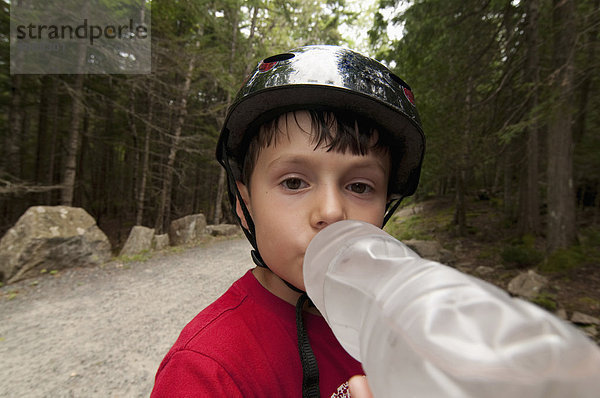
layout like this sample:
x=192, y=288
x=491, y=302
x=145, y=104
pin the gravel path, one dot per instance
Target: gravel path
x=102, y=332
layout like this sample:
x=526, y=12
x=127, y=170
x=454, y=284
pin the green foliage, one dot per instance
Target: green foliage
x=142, y=256
x=528, y=240
x=563, y=260
x=520, y=256
x=418, y=226
x=587, y=252
x=546, y=300
x=175, y=249
x=589, y=302
x=409, y=228
x=487, y=253
x=522, y=253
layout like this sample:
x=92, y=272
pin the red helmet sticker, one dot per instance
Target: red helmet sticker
x=266, y=66
x=409, y=95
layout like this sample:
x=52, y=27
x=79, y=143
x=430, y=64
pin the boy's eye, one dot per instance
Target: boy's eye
x=293, y=183
x=359, y=187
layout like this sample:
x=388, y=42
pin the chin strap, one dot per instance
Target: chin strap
x=257, y=259
x=390, y=209
x=310, y=369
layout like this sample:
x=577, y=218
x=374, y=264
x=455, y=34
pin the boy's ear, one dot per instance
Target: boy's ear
x=238, y=207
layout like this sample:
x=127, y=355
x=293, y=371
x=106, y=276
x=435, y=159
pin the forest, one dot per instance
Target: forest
x=506, y=90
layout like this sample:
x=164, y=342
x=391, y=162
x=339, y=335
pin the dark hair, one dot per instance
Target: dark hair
x=336, y=131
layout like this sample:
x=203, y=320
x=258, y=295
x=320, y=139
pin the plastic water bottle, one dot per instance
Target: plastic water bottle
x=423, y=329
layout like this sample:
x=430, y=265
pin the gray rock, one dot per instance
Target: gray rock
x=484, y=270
x=465, y=267
x=584, y=319
x=187, y=229
x=51, y=238
x=527, y=284
x=159, y=242
x=562, y=314
x=590, y=330
x=140, y=239
x=431, y=250
x=223, y=229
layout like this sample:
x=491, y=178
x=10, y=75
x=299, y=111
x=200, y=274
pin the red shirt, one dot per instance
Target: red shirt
x=245, y=345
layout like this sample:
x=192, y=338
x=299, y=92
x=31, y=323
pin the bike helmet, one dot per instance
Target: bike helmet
x=327, y=78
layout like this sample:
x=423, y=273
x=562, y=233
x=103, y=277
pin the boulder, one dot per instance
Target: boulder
x=590, y=330
x=187, y=229
x=223, y=229
x=140, y=239
x=159, y=242
x=484, y=270
x=527, y=284
x=51, y=238
x=584, y=319
x=431, y=250
x=562, y=314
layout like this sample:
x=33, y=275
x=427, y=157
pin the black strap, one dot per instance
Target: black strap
x=310, y=370
x=390, y=208
x=258, y=259
x=235, y=196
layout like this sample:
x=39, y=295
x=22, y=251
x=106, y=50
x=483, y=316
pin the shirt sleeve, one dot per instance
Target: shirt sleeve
x=192, y=374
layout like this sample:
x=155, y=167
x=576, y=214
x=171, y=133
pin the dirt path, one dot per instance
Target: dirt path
x=102, y=332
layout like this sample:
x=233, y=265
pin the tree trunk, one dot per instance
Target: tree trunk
x=561, y=197
x=460, y=211
x=460, y=214
x=11, y=158
x=165, y=195
x=589, y=69
x=83, y=165
x=68, y=182
x=139, y=215
x=136, y=147
x=46, y=133
x=221, y=184
x=23, y=145
x=507, y=186
x=41, y=159
x=529, y=208
x=53, y=136
x=219, y=200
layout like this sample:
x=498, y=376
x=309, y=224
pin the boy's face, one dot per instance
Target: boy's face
x=297, y=190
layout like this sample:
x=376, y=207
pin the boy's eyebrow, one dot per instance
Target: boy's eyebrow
x=358, y=162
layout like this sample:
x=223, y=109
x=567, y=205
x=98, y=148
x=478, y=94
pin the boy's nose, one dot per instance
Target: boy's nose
x=329, y=207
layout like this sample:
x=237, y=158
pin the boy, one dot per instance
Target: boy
x=316, y=135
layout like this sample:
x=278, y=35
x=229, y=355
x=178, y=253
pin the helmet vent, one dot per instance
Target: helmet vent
x=278, y=58
x=269, y=63
x=401, y=82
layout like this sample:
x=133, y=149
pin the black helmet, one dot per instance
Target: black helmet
x=327, y=77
